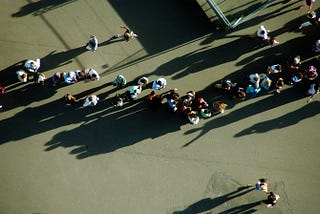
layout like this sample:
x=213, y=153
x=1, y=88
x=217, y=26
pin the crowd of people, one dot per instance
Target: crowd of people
x=193, y=107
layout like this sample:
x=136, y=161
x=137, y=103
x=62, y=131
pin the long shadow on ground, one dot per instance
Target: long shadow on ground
x=210, y=203
x=284, y=121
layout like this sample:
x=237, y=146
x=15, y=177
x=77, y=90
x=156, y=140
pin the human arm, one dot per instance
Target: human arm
x=124, y=27
x=313, y=96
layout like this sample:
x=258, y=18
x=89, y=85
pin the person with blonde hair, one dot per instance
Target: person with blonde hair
x=219, y=106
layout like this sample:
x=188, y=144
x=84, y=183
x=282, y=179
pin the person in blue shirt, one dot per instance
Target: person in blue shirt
x=70, y=77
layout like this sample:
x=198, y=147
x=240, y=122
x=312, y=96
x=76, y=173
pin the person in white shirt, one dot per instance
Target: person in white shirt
x=159, y=84
x=262, y=33
x=92, y=45
x=91, y=100
x=274, y=69
x=135, y=91
x=32, y=66
x=88, y=73
x=22, y=75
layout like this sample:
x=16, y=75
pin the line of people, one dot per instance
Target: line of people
x=306, y=78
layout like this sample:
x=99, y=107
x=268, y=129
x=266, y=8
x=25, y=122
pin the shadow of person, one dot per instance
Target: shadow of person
x=8, y=75
x=57, y=59
x=40, y=7
x=96, y=136
x=268, y=103
x=113, y=39
x=201, y=59
x=209, y=203
x=243, y=209
x=292, y=118
x=27, y=94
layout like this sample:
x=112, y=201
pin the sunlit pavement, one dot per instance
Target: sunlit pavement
x=66, y=159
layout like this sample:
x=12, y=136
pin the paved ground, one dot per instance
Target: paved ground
x=63, y=159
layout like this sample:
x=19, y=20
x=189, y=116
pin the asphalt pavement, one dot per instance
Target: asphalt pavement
x=56, y=158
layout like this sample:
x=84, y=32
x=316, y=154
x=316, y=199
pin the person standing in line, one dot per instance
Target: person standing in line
x=22, y=75
x=120, y=81
x=32, y=66
x=159, y=84
x=70, y=77
x=92, y=45
x=128, y=34
x=91, y=100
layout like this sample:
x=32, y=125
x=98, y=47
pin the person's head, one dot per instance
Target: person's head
x=206, y=111
x=280, y=83
x=159, y=82
x=296, y=59
x=126, y=36
x=94, y=75
x=263, y=180
x=57, y=75
x=241, y=95
x=24, y=75
x=226, y=85
x=268, y=82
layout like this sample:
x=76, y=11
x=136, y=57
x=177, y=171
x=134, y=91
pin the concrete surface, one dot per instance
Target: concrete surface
x=65, y=159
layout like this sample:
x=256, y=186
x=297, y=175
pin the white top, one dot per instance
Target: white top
x=159, y=83
x=19, y=75
x=93, y=72
x=194, y=119
x=262, y=32
x=32, y=65
x=135, y=91
x=94, y=100
x=274, y=68
x=254, y=78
